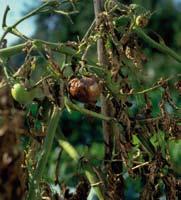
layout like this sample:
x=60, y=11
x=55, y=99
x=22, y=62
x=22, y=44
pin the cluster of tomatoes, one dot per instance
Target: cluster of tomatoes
x=84, y=89
x=22, y=95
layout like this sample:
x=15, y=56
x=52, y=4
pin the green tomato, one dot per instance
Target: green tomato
x=20, y=94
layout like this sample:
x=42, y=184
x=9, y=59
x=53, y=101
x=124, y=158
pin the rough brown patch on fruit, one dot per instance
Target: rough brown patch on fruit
x=86, y=89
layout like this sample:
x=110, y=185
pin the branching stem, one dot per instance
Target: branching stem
x=86, y=111
x=37, y=176
x=32, y=13
x=161, y=47
x=88, y=170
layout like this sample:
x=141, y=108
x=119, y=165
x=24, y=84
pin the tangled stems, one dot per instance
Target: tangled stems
x=12, y=29
x=72, y=106
x=64, y=49
x=88, y=170
x=161, y=47
x=37, y=44
x=158, y=85
x=40, y=45
x=52, y=126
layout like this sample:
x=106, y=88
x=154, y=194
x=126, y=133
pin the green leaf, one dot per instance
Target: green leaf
x=33, y=108
x=158, y=141
x=174, y=147
x=135, y=140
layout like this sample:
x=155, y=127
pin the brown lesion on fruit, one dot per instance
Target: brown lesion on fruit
x=85, y=89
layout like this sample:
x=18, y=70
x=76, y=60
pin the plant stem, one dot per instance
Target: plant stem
x=64, y=49
x=39, y=44
x=161, y=47
x=5, y=16
x=158, y=85
x=146, y=144
x=75, y=107
x=98, y=8
x=4, y=23
x=88, y=31
x=111, y=131
x=37, y=176
x=34, y=12
x=72, y=152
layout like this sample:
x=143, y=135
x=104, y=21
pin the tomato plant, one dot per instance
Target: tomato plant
x=21, y=94
x=139, y=117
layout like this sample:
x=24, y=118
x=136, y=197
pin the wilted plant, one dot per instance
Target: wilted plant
x=135, y=142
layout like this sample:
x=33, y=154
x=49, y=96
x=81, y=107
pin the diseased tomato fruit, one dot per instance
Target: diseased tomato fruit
x=141, y=21
x=86, y=89
x=20, y=94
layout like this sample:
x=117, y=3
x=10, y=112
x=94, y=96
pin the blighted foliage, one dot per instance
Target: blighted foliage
x=12, y=174
x=136, y=142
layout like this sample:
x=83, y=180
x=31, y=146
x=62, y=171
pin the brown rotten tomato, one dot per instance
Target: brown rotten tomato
x=85, y=89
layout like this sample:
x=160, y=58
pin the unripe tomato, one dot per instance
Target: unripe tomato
x=141, y=21
x=86, y=89
x=20, y=94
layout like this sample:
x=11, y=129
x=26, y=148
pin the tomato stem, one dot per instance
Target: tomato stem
x=88, y=169
x=85, y=111
x=12, y=29
x=37, y=175
x=161, y=47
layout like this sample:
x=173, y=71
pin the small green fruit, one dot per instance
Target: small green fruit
x=20, y=94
